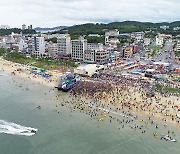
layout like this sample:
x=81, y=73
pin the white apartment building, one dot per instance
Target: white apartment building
x=24, y=27
x=164, y=27
x=78, y=48
x=128, y=52
x=64, y=44
x=176, y=28
x=22, y=45
x=89, y=56
x=92, y=56
x=38, y=45
x=4, y=27
x=159, y=40
x=52, y=49
x=113, y=42
x=101, y=57
x=95, y=46
x=147, y=41
x=113, y=32
x=178, y=45
x=109, y=33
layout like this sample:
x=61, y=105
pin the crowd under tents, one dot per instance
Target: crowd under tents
x=42, y=69
x=43, y=74
x=40, y=72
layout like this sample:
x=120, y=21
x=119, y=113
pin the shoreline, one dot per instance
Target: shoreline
x=12, y=67
x=156, y=118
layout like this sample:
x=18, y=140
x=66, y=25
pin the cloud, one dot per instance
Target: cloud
x=48, y=13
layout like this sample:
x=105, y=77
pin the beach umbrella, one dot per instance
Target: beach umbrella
x=118, y=97
x=177, y=106
x=34, y=67
x=68, y=71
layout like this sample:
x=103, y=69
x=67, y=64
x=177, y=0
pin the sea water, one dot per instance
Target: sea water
x=60, y=131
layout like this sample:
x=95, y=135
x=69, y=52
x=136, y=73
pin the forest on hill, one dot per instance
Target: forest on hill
x=16, y=30
x=123, y=27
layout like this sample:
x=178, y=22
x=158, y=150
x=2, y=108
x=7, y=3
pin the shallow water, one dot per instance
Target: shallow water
x=67, y=132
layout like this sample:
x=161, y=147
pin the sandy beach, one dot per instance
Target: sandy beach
x=122, y=96
x=24, y=71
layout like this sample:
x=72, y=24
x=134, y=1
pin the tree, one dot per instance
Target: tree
x=2, y=51
x=16, y=30
x=95, y=39
x=54, y=40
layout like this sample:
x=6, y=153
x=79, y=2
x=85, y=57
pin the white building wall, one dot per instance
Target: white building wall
x=95, y=46
x=64, y=44
x=38, y=44
x=78, y=48
x=52, y=49
x=159, y=40
x=147, y=41
x=22, y=45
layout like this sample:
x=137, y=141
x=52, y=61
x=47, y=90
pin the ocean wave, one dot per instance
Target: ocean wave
x=15, y=129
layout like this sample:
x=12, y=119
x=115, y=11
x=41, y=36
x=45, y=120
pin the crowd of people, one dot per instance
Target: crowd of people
x=130, y=94
x=122, y=100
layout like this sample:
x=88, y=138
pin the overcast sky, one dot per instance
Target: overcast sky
x=50, y=13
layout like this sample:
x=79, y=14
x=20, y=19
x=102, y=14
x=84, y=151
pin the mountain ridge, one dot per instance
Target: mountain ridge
x=123, y=27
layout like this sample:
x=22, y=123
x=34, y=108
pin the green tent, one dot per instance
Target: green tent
x=42, y=69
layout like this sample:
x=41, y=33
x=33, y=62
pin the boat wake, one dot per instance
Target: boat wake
x=15, y=129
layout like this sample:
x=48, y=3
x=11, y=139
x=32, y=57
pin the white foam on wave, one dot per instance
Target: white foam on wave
x=15, y=129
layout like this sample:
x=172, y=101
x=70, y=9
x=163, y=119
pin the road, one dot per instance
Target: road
x=167, y=55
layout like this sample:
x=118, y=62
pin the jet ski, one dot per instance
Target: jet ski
x=167, y=138
x=33, y=131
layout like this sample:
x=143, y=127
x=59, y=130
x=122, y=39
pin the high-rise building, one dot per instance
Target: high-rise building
x=4, y=27
x=164, y=27
x=95, y=46
x=159, y=40
x=30, y=27
x=22, y=44
x=78, y=48
x=147, y=41
x=109, y=33
x=128, y=52
x=89, y=56
x=101, y=57
x=38, y=45
x=64, y=44
x=23, y=27
x=52, y=49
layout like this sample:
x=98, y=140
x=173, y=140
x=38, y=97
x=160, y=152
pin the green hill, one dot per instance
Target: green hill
x=123, y=27
x=16, y=30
